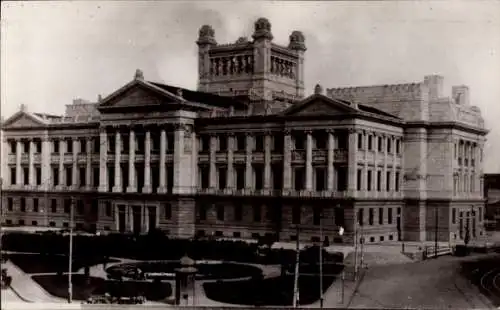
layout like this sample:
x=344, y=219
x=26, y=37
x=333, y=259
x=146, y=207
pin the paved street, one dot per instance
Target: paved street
x=427, y=284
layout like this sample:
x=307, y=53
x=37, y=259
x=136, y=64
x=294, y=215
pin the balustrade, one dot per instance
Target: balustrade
x=283, y=67
x=231, y=65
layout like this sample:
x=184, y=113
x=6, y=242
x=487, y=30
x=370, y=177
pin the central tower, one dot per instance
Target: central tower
x=268, y=76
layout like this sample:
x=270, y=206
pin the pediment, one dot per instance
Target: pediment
x=319, y=105
x=134, y=96
x=22, y=120
x=320, y=108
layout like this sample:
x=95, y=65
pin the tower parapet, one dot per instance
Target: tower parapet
x=267, y=75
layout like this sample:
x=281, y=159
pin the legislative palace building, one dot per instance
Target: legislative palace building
x=249, y=154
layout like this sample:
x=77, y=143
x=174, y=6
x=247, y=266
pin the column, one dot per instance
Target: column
x=131, y=163
x=46, y=169
x=163, y=172
x=62, y=173
x=365, y=165
x=230, y=160
x=19, y=151
x=147, y=163
x=32, y=163
x=146, y=219
x=103, y=159
x=385, y=181
x=181, y=170
x=212, y=166
x=118, y=169
x=309, y=170
x=130, y=218
x=331, y=147
x=287, y=160
x=117, y=217
x=74, y=174
x=88, y=166
x=394, y=168
x=352, y=163
x=267, y=161
x=248, y=162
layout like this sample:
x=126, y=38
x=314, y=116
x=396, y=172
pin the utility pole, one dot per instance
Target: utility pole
x=70, y=256
x=321, y=260
x=296, y=278
x=436, y=233
x=355, y=251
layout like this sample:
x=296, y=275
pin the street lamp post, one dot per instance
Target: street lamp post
x=70, y=256
x=321, y=260
x=296, y=277
x=436, y=234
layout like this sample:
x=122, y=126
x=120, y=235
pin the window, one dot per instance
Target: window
x=69, y=176
x=69, y=146
x=379, y=181
x=398, y=146
x=107, y=208
x=240, y=142
x=379, y=144
x=238, y=212
x=381, y=238
x=23, y=204
x=26, y=176
x=389, y=216
x=259, y=143
x=257, y=214
x=359, y=179
x=236, y=234
x=219, y=233
x=220, y=212
x=389, y=145
x=278, y=144
x=222, y=143
x=369, y=181
x=65, y=224
x=296, y=214
x=453, y=216
x=38, y=146
x=55, y=146
x=53, y=205
x=26, y=147
x=240, y=177
x=222, y=176
x=80, y=206
x=205, y=143
x=35, y=205
x=370, y=216
x=83, y=146
x=96, y=145
x=339, y=216
x=83, y=177
x=396, y=182
x=52, y=224
x=95, y=177
x=13, y=180
x=381, y=216
x=255, y=236
x=202, y=212
x=94, y=207
x=361, y=215
x=320, y=179
x=10, y=204
x=388, y=181
x=316, y=215
x=55, y=176
x=13, y=147
x=259, y=177
x=21, y=222
x=67, y=205
x=370, y=142
x=360, y=141
x=38, y=173
x=167, y=211
x=34, y=223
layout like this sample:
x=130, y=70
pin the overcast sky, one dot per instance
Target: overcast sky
x=53, y=52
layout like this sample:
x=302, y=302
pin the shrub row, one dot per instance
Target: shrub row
x=155, y=246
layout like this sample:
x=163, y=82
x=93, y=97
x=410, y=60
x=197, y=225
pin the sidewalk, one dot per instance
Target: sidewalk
x=26, y=287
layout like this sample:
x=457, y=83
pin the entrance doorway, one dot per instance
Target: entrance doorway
x=152, y=218
x=136, y=219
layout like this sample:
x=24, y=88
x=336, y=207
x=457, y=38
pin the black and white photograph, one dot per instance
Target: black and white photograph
x=250, y=154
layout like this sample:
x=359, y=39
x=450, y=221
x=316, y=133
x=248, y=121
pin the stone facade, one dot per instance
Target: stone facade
x=248, y=155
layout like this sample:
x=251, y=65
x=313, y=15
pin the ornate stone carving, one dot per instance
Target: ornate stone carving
x=206, y=36
x=297, y=41
x=262, y=29
x=139, y=75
